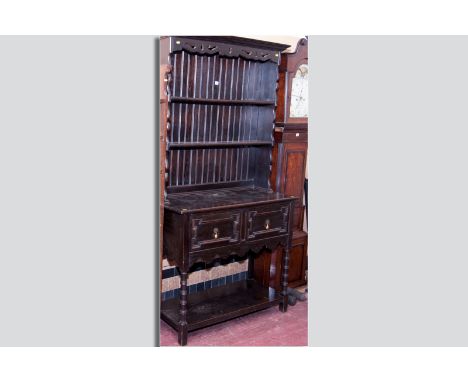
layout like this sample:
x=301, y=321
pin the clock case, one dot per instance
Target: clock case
x=289, y=158
x=289, y=64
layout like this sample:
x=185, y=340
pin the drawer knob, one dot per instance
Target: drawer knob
x=215, y=233
x=267, y=224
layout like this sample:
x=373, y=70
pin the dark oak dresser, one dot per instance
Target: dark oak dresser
x=218, y=201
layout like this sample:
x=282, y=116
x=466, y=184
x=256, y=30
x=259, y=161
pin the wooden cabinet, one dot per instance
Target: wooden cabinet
x=220, y=112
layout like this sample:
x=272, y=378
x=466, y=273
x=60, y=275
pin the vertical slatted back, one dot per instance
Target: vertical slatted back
x=204, y=90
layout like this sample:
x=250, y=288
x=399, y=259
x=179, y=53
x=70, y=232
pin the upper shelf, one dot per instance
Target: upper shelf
x=222, y=101
x=207, y=145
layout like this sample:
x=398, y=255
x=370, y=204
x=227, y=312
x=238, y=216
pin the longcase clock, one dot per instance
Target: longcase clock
x=289, y=159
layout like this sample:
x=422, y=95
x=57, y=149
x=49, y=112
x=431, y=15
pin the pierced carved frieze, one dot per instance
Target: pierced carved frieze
x=270, y=245
x=240, y=251
x=225, y=50
x=210, y=256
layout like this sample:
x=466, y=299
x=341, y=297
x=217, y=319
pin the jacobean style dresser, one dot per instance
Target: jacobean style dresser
x=219, y=116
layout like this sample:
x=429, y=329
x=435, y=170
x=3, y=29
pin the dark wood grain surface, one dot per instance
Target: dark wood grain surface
x=221, y=198
x=221, y=94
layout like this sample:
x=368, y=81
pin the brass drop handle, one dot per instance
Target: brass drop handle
x=215, y=233
x=267, y=224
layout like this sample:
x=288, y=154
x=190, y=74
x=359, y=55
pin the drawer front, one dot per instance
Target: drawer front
x=265, y=221
x=295, y=137
x=215, y=229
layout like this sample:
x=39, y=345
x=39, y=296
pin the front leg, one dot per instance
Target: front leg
x=183, y=309
x=284, y=281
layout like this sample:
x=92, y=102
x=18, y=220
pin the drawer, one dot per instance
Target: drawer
x=299, y=137
x=265, y=221
x=210, y=230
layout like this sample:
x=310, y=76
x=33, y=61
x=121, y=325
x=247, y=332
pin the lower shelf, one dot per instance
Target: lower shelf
x=220, y=304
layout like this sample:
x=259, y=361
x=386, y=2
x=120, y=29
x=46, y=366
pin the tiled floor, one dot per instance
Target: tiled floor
x=269, y=327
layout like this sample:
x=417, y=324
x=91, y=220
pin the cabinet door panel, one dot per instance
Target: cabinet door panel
x=295, y=155
x=296, y=259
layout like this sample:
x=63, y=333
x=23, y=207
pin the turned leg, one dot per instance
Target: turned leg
x=284, y=281
x=183, y=309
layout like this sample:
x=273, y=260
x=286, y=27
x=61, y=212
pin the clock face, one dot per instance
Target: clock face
x=300, y=93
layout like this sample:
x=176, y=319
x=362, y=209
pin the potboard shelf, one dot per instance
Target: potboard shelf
x=220, y=304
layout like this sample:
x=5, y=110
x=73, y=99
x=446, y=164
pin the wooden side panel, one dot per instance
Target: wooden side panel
x=294, y=167
x=261, y=268
x=164, y=70
x=297, y=262
x=174, y=236
x=293, y=175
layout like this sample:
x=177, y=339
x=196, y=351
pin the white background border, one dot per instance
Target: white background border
x=213, y=17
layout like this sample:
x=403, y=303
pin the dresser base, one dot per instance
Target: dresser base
x=220, y=304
